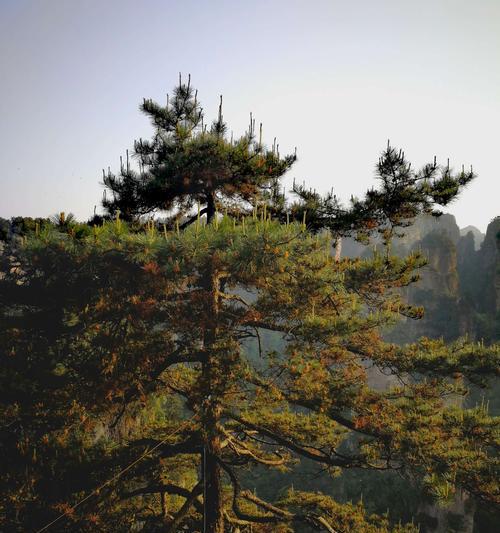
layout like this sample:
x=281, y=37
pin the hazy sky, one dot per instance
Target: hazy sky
x=334, y=78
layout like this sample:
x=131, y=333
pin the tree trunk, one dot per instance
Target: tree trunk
x=338, y=248
x=211, y=379
x=213, y=504
x=210, y=206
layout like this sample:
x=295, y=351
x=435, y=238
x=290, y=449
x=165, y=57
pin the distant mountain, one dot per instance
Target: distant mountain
x=460, y=286
x=478, y=235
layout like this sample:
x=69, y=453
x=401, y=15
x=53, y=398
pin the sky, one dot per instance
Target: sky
x=336, y=79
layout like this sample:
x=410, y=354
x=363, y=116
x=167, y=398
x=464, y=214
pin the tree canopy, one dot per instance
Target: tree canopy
x=148, y=371
x=150, y=346
x=188, y=163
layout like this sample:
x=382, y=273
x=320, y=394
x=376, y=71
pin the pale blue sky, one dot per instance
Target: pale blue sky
x=334, y=78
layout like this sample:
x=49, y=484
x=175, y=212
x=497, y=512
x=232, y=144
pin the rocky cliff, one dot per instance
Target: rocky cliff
x=460, y=285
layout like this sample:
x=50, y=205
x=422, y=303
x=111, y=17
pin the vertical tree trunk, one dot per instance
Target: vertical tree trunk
x=211, y=379
x=338, y=248
x=214, y=517
x=210, y=207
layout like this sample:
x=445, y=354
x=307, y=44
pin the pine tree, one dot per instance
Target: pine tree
x=139, y=390
x=189, y=164
x=403, y=195
x=116, y=323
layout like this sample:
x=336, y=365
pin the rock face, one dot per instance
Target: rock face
x=489, y=260
x=459, y=287
x=477, y=235
x=438, y=289
x=479, y=272
x=445, y=225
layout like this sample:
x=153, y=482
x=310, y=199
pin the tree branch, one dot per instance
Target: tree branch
x=190, y=446
x=278, y=515
x=183, y=511
x=242, y=515
x=240, y=449
x=314, y=454
x=170, y=488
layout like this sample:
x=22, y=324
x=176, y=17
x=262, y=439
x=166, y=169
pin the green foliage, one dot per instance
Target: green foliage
x=343, y=517
x=120, y=342
x=139, y=394
x=4, y=229
x=403, y=195
x=186, y=164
